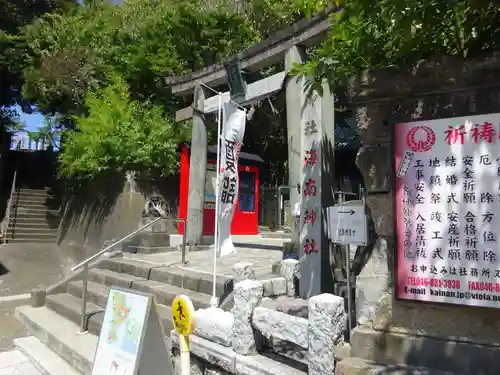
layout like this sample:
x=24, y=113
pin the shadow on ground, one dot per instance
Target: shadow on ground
x=28, y=266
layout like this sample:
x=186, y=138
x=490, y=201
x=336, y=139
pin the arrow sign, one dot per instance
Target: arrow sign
x=350, y=212
x=347, y=224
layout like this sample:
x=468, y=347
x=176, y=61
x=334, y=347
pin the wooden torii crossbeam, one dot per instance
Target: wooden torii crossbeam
x=310, y=136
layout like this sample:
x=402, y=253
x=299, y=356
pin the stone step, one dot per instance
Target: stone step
x=33, y=205
x=33, y=192
x=276, y=234
x=430, y=352
x=97, y=295
x=133, y=249
x=33, y=230
x=34, y=199
x=38, y=224
x=358, y=366
x=60, y=335
x=51, y=235
x=34, y=210
x=150, y=239
x=37, y=219
x=178, y=277
x=70, y=308
x=45, y=360
x=31, y=240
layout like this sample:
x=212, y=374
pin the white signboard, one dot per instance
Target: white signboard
x=131, y=338
x=448, y=210
x=347, y=224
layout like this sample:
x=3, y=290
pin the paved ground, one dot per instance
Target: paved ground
x=202, y=260
x=26, y=266
x=15, y=363
x=10, y=327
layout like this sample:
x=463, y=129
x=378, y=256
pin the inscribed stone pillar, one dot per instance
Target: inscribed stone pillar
x=294, y=98
x=197, y=170
x=317, y=168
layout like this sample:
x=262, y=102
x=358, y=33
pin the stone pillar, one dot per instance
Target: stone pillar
x=247, y=296
x=327, y=323
x=197, y=170
x=317, y=181
x=328, y=182
x=294, y=98
x=290, y=270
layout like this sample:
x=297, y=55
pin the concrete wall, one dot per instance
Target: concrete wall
x=110, y=208
x=434, y=89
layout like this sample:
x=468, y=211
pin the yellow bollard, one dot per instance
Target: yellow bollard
x=183, y=317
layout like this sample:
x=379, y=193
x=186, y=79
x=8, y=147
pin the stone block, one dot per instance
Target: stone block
x=212, y=370
x=244, y=271
x=327, y=323
x=290, y=270
x=197, y=366
x=373, y=165
x=247, y=296
x=287, y=305
x=446, y=355
x=382, y=212
x=215, y=325
x=272, y=323
x=209, y=351
x=291, y=250
x=260, y=365
x=274, y=287
x=373, y=280
x=37, y=298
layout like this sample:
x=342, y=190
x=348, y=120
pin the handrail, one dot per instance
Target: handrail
x=85, y=263
x=8, y=209
x=128, y=236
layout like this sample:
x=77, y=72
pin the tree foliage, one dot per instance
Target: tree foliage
x=368, y=34
x=142, y=41
x=15, y=14
x=120, y=134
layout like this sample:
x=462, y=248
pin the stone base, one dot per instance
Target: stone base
x=446, y=355
x=253, y=241
x=357, y=366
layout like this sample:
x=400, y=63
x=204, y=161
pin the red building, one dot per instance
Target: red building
x=246, y=215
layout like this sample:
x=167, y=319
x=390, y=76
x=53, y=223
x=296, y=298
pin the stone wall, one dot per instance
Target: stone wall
x=112, y=207
x=234, y=342
x=439, y=88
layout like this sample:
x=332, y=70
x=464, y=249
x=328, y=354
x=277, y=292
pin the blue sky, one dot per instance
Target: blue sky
x=32, y=122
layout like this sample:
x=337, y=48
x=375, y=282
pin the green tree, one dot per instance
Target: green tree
x=144, y=41
x=368, y=34
x=15, y=14
x=120, y=134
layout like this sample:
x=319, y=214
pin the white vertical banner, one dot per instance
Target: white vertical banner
x=234, y=121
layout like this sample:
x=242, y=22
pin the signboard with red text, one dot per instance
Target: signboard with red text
x=447, y=175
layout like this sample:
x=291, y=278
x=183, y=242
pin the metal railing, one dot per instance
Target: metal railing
x=85, y=263
x=6, y=222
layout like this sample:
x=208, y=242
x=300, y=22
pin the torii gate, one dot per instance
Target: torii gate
x=310, y=128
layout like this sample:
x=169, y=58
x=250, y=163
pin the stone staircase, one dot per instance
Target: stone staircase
x=34, y=217
x=54, y=325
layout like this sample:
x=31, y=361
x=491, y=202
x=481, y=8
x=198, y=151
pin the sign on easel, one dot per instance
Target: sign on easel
x=131, y=340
